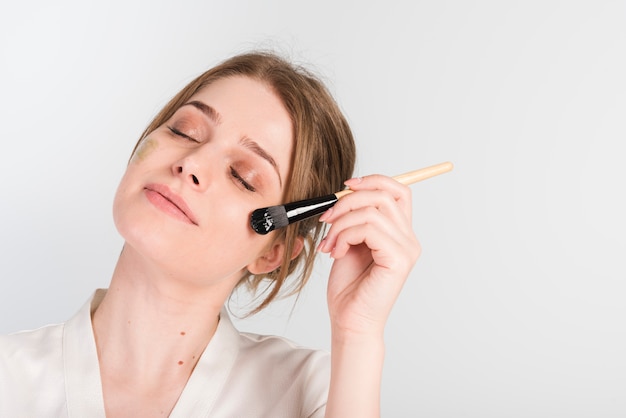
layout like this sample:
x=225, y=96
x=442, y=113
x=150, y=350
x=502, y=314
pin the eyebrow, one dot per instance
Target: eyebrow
x=248, y=143
x=207, y=110
x=257, y=149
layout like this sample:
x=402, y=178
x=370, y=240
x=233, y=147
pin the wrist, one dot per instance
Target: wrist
x=356, y=374
x=345, y=336
x=350, y=342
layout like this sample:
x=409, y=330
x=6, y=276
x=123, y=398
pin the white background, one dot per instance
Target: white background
x=517, y=307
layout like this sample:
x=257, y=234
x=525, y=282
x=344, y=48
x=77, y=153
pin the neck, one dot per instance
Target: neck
x=150, y=327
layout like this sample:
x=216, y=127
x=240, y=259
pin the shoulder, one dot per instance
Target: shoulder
x=278, y=355
x=32, y=345
x=279, y=351
x=288, y=373
x=30, y=362
x=277, y=376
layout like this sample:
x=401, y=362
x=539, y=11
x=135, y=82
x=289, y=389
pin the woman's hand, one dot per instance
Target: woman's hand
x=372, y=241
x=374, y=247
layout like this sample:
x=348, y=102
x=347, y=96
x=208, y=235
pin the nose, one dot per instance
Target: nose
x=191, y=172
x=192, y=176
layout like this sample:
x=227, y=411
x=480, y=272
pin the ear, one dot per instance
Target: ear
x=272, y=259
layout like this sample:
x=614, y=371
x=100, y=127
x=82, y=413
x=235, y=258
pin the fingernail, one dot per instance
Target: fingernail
x=353, y=180
x=326, y=215
x=320, y=246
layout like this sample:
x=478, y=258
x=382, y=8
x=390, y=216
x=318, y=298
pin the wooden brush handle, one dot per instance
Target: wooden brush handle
x=424, y=173
x=414, y=176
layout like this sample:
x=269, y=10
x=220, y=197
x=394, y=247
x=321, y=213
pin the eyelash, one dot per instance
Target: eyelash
x=182, y=135
x=233, y=172
x=240, y=179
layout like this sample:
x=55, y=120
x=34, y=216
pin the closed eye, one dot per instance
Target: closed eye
x=240, y=179
x=182, y=135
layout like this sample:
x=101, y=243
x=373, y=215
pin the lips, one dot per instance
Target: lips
x=169, y=202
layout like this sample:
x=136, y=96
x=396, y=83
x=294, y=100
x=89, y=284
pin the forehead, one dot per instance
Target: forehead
x=247, y=108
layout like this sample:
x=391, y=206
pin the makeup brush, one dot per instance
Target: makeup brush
x=268, y=219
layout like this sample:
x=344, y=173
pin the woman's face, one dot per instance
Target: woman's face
x=185, y=200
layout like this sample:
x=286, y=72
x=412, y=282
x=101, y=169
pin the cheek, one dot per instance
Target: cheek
x=127, y=198
x=119, y=201
x=130, y=184
x=230, y=230
x=145, y=148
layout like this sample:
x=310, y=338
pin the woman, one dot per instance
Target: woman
x=252, y=132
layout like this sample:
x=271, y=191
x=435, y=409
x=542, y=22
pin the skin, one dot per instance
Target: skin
x=374, y=247
x=178, y=268
x=145, y=148
x=169, y=278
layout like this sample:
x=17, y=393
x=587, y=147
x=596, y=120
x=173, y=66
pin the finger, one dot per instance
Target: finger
x=387, y=251
x=382, y=200
x=368, y=215
x=400, y=192
x=400, y=234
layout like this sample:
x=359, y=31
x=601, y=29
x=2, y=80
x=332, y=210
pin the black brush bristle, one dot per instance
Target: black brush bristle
x=268, y=219
x=265, y=220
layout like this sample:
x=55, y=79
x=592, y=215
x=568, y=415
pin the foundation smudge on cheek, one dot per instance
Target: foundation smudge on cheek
x=145, y=148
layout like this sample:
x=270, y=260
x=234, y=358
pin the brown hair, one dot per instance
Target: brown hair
x=323, y=155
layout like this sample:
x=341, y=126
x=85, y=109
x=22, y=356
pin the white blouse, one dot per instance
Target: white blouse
x=53, y=372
